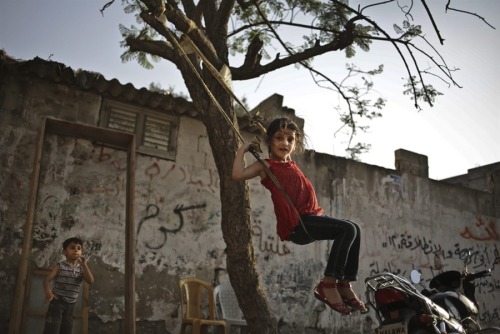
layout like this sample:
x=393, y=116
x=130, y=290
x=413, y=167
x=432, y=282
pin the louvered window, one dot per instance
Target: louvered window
x=156, y=133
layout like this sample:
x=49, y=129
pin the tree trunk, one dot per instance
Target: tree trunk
x=235, y=208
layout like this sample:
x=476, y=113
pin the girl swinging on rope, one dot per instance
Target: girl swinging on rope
x=304, y=222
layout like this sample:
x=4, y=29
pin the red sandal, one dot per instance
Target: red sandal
x=320, y=295
x=353, y=302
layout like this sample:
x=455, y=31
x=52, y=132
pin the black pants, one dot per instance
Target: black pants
x=343, y=261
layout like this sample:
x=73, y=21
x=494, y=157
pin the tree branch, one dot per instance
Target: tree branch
x=186, y=26
x=444, y=68
x=158, y=48
x=109, y=3
x=253, y=56
x=441, y=40
x=252, y=70
x=209, y=13
x=285, y=23
x=224, y=12
x=469, y=13
x=388, y=37
x=243, y=72
x=189, y=8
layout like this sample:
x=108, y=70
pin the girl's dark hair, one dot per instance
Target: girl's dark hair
x=74, y=240
x=281, y=124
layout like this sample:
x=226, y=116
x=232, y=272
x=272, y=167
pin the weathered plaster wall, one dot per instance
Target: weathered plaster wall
x=407, y=221
x=413, y=222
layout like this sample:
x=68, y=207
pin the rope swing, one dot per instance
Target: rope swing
x=186, y=44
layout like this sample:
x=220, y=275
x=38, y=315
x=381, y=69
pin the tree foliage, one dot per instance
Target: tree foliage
x=276, y=33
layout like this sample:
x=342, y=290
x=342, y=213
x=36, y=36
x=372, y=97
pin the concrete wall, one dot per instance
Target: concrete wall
x=408, y=221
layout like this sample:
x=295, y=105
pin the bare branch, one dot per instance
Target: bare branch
x=441, y=40
x=106, y=6
x=469, y=13
x=444, y=68
x=375, y=5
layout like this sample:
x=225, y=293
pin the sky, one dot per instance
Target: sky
x=462, y=130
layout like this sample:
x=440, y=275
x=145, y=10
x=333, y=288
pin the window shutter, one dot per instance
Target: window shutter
x=156, y=133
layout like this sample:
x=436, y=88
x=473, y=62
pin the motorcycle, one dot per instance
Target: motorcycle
x=449, y=305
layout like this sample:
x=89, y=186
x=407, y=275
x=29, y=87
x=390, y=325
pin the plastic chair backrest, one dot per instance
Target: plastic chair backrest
x=224, y=295
x=197, y=299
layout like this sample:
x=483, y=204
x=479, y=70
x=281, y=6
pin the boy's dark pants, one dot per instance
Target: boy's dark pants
x=59, y=319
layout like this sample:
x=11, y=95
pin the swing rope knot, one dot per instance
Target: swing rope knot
x=191, y=26
x=256, y=120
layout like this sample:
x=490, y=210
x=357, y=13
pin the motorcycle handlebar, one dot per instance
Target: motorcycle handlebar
x=482, y=273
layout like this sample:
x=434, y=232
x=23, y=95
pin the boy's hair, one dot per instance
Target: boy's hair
x=281, y=124
x=73, y=240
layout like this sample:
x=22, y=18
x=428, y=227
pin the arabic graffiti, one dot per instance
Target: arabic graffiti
x=376, y=268
x=488, y=230
x=180, y=208
x=152, y=211
x=482, y=255
x=407, y=241
x=162, y=170
x=267, y=244
x=489, y=316
x=488, y=286
x=271, y=245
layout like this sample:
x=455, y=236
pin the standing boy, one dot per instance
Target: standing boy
x=67, y=276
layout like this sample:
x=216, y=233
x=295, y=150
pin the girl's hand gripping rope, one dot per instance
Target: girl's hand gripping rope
x=255, y=145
